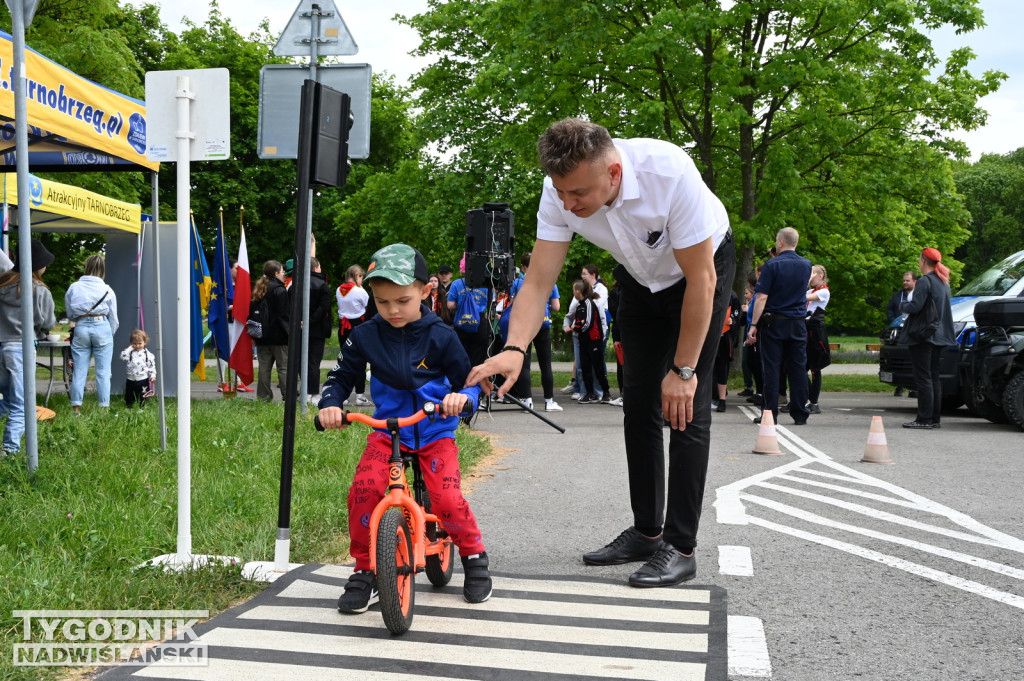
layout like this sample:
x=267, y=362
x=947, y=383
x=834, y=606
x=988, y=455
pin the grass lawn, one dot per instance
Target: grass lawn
x=104, y=500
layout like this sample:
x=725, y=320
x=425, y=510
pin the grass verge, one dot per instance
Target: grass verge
x=104, y=500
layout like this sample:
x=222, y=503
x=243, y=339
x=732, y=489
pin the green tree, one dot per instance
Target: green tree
x=827, y=116
x=993, y=187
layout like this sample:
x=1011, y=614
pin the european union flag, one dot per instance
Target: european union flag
x=221, y=295
x=201, y=285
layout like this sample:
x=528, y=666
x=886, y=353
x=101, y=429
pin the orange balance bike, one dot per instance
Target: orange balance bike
x=405, y=537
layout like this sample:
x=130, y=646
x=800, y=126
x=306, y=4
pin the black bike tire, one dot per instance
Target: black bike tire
x=440, y=567
x=395, y=571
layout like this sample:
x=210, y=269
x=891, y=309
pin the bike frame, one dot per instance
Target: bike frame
x=398, y=493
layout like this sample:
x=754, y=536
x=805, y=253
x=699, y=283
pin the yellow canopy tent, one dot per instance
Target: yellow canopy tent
x=59, y=207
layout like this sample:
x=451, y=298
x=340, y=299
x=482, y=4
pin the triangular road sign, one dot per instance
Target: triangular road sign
x=333, y=39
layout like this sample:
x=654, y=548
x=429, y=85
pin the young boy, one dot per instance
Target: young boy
x=414, y=358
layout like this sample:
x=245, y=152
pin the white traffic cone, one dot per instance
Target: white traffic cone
x=877, y=449
x=767, y=440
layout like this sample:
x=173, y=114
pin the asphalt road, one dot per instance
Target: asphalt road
x=858, y=571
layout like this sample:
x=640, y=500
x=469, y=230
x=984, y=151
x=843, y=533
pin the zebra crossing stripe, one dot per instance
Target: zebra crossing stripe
x=302, y=589
x=407, y=649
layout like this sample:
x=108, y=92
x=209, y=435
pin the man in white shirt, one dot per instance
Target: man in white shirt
x=643, y=201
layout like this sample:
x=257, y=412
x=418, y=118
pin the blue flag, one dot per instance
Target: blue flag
x=221, y=295
x=200, y=290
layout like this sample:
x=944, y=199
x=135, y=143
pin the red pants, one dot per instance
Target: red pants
x=439, y=464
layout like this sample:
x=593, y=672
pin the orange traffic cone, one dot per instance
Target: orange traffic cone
x=877, y=449
x=767, y=440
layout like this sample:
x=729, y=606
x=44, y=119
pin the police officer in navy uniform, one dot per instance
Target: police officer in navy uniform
x=782, y=292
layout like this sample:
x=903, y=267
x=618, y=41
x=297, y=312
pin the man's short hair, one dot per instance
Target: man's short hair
x=788, y=236
x=569, y=142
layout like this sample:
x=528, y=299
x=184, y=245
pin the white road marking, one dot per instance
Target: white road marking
x=735, y=560
x=748, y=648
x=905, y=565
x=444, y=653
x=528, y=631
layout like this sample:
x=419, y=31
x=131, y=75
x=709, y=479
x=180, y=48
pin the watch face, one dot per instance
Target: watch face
x=685, y=373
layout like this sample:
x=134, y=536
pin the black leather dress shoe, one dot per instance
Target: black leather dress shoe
x=667, y=567
x=917, y=424
x=629, y=546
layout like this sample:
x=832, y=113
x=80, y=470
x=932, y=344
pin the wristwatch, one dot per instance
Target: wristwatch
x=685, y=373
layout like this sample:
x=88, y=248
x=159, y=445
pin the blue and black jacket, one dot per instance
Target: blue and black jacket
x=420, y=362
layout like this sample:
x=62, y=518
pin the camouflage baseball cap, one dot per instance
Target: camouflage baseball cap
x=399, y=264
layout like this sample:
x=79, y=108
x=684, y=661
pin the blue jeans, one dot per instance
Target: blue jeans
x=93, y=340
x=12, y=385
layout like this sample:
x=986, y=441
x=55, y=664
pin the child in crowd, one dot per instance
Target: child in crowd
x=587, y=325
x=414, y=358
x=140, y=371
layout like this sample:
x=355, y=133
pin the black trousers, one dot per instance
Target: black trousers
x=542, y=344
x=649, y=324
x=316, y=353
x=476, y=344
x=924, y=363
x=784, y=347
x=595, y=373
x=133, y=391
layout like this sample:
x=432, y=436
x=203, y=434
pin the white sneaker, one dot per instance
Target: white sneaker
x=617, y=402
x=552, y=406
x=363, y=401
x=528, y=402
x=313, y=399
x=345, y=403
x=576, y=396
x=566, y=390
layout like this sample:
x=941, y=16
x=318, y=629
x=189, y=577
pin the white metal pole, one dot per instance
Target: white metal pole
x=184, y=134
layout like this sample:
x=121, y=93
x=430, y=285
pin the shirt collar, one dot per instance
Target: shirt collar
x=629, y=187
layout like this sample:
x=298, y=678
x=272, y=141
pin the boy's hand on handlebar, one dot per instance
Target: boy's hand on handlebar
x=453, y=404
x=332, y=418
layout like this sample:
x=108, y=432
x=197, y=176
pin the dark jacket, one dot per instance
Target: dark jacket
x=321, y=298
x=893, y=309
x=420, y=362
x=930, y=286
x=275, y=332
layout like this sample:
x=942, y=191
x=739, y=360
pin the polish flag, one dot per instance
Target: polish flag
x=241, y=344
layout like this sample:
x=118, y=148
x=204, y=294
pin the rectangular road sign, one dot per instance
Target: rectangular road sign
x=209, y=115
x=280, y=97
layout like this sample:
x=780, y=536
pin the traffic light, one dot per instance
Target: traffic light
x=332, y=115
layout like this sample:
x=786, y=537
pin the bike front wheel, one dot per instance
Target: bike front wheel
x=396, y=571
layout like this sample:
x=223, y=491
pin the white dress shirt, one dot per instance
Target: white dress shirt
x=662, y=204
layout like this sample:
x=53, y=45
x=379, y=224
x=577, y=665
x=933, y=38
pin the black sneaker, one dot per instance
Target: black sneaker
x=606, y=399
x=476, y=585
x=917, y=424
x=360, y=593
x=813, y=408
x=629, y=546
x=756, y=399
x=720, y=406
x=589, y=399
x=746, y=392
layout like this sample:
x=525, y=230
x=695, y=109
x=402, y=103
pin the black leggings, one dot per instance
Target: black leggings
x=592, y=361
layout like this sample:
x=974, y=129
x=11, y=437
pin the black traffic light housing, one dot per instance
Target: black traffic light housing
x=333, y=119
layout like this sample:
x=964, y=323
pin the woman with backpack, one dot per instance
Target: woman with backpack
x=270, y=302
x=929, y=330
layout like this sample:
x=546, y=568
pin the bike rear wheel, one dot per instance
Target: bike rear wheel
x=440, y=566
x=396, y=571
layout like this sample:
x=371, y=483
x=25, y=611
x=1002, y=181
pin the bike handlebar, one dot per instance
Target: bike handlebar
x=429, y=410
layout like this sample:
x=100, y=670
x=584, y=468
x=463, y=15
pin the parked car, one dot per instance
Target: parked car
x=992, y=361
x=1003, y=280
